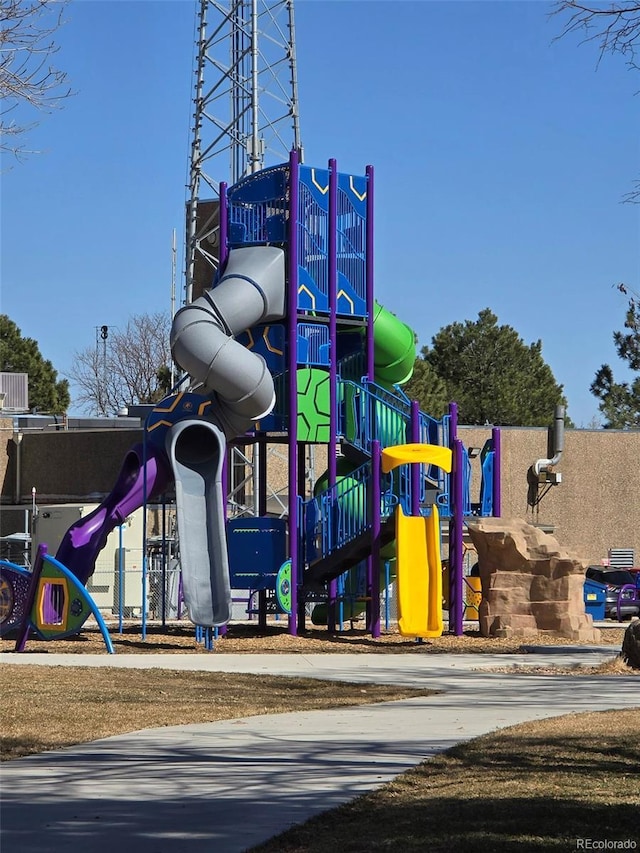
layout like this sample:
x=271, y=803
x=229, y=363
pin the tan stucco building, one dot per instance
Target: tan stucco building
x=596, y=507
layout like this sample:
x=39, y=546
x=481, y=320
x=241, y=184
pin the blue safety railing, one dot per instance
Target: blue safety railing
x=466, y=485
x=341, y=513
x=351, y=229
x=313, y=242
x=369, y=413
x=486, y=484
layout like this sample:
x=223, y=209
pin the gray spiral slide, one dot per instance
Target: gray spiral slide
x=251, y=292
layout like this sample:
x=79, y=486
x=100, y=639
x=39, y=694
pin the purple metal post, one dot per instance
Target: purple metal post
x=25, y=626
x=369, y=274
x=292, y=276
x=261, y=444
x=372, y=571
x=456, y=496
x=497, y=473
x=120, y=580
x=225, y=480
x=332, y=279
x=455, y=565
x=302, y=485
x=164, y=561
x=262, y=511
x=145, y=498
x=375, y=538
x=223, y=230
x=415, y=468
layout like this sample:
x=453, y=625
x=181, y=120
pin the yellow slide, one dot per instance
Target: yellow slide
x=419, y=574
x=418, y=559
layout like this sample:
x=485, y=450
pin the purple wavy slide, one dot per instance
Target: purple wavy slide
x=87, y=537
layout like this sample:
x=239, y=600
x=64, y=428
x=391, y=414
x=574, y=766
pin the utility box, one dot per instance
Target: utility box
x=50, y=523
x=595, y=595
x=123, y=550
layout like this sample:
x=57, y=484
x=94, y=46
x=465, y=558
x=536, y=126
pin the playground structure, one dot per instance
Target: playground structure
x=291, y=346
x=49, y=601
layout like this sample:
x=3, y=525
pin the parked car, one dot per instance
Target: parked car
x=615, y=579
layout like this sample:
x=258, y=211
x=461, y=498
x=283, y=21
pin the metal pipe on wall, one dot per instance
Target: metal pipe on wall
x=17, y=440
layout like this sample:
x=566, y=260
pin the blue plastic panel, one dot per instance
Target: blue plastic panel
x=486, y=484
x=313, y=239
x=313, y=344
x=351, y=244
x=267, y=341
x=257, y=548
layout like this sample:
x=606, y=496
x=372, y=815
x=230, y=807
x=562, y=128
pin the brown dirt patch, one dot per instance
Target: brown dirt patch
x=275, y=639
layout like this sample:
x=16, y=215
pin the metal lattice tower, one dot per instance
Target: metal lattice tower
x=246, y=111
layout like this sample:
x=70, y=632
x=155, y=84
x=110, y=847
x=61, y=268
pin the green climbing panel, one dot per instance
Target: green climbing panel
x=313, y=404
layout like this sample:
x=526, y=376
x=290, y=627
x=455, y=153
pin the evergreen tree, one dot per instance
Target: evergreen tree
x=427, y=388
x=492, y=375
x=22, y=355
x=620, y=401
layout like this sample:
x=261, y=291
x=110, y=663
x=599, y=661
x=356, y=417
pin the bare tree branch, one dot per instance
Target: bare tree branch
x=130, y=366
x=29, y=84
x=633, y=196
x=615, y=28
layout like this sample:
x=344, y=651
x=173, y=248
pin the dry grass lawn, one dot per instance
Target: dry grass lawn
x=535, y=787
x=82, y=704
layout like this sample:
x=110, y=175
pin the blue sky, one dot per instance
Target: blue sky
x=501, y=157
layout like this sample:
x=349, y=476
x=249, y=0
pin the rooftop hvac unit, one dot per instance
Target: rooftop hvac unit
x=14, y=392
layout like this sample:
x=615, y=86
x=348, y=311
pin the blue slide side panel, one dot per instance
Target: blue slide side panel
x=268, y=341
x=355, y=188
x=350, y=302
x=316, y=185
x=352, y=245
x=313, y=240
x=310, y=296
x=278, y=419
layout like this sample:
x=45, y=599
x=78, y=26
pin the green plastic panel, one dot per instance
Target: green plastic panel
x=313, y=404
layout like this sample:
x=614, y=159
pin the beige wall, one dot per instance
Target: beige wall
x=596, y=507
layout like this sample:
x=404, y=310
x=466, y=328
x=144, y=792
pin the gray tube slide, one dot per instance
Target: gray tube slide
x=251, y=292
x=196, y=451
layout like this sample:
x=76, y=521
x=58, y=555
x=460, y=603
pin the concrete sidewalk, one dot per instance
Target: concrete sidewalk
x=227, y=786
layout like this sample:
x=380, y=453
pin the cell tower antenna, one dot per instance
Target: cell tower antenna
x=245, y=112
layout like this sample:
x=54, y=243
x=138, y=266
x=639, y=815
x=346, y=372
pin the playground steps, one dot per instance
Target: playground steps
x=331, y=566
x=354, y=454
